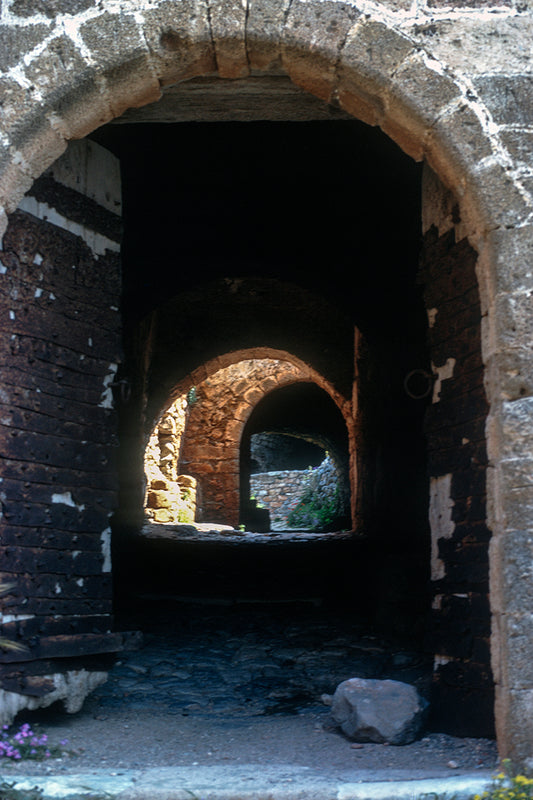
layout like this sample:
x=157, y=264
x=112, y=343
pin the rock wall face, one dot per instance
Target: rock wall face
x=451, y=85
x=282, y=491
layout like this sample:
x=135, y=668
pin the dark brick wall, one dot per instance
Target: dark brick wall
x=60, y=331
x=462, y=699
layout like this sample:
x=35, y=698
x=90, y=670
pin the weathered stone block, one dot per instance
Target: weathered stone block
x=129, y=72
x=499, y=198
x=49, y=8
x=456, y=145
x=378, y=711
x=228, y=22
x=369, y=58
x=15, y=42
x=511, y=574
x=514, y=722
x=512, y=635
x=312, y=39
x=162, y=515
x=420, y=94
x=479, y=44
x=264, y=27
x=513, y=317
x=509, y=98
x=508, y=436
x=505, y=259
x=510, y=373
x=519, y=145
x=179, y=36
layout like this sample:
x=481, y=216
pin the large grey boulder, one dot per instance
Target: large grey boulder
x=378, y=711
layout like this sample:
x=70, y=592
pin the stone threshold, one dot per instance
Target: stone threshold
x=212, y=532
x=253, y=782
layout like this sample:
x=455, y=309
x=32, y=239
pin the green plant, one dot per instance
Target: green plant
x=185, y=515
x=314, y=510
x=508, y=785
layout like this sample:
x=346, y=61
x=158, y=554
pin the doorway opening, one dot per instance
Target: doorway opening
x=295, y=461
x=265, y=238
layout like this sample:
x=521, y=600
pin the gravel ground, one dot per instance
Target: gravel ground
x=238, y=685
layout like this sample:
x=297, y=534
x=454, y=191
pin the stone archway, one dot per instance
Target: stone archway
x=384, y=72
x=226, y=391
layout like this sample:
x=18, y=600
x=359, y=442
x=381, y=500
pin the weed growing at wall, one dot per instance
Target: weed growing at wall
x=507, y=785
x=314, y=510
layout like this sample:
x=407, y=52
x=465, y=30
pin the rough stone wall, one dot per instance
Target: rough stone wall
x=457, y=465
x=451, y=85
x=170, y=497
x=210, y=446
x=272, y=452
x=280, y=491
x=59, y=349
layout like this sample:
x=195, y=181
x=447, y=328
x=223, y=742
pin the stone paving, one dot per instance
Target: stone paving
x=247, y=659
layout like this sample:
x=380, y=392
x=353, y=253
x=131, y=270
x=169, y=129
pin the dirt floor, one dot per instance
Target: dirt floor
x=239, y=685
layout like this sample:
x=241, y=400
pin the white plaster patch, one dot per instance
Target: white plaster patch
x=66, y=500
x=11, y=315
x=436, y=604
x=105, y=538
x=38, y=260
x=432, y=316
x=3, y=269
x=95, y=241
x=71, y=688
x=440, y=661
x=106, y=400
x=440, y=520
x=5, y=618
x=80, y=582
x=38, y=292
x=57, y=589
x=443, y=373
x=52, y=296
x=76, y=553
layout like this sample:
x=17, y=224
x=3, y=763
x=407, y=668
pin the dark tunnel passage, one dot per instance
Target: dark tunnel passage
x=291, y=237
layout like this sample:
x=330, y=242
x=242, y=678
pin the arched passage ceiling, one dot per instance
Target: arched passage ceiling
x=303, y=410
x=232, y=315
x=333, y=206
x=299, y=231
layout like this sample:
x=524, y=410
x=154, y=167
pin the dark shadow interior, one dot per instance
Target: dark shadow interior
x=283, y=235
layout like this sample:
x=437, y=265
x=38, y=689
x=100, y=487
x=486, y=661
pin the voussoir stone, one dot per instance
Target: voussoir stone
x=379, y=711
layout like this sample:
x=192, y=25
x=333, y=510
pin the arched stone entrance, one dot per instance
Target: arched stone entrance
x=209, y=440
x=384, y=70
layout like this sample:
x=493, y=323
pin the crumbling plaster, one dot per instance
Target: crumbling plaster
x=451, y=85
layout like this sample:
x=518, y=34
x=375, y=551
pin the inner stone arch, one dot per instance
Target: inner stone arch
x=194, y=450
x=311, y=499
